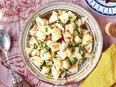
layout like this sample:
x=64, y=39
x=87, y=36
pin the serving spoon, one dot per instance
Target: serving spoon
x=5, y=43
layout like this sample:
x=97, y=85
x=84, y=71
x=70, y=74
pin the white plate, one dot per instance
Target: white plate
x=99, y=6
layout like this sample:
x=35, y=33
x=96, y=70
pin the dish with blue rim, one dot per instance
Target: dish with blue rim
x=101, y=7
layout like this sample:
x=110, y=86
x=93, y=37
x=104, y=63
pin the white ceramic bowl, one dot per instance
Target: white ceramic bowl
x=88, y=65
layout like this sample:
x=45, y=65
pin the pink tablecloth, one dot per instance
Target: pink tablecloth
x=14, y=14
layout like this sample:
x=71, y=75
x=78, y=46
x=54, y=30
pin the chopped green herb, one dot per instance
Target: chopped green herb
x=50, y=66
x=71, y=45
x=38, y=15
x=70, y=17
x=88, y=48
x=63, y=73
x=48, y=77
x=83, y=55
x=44, y=64
x=76, y=20
x=80, y=45
x=76, y=26
x=46, y=29
x=68, y=22
x=68, y=58
x=35, y=46
x=74, y=60
x=41, y=43
x=51, y=27
x=41, y=46
x=62, y=24
x=33, y=21
x=78, y=31
x=29, y=45
x=46, y=51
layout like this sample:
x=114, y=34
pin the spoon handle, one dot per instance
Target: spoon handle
x=18, y=81
x=5, y=63
x=15, y=77
x=6, y=54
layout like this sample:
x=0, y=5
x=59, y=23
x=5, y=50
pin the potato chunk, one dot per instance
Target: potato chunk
x=78, y=39
x=65, y=64
x=41, y=21
x=41, y=36
x=34, y=52
x=37, y=61
x=45, y=70
x=59, y=26
x=77, y=55
x=57, y=63
x=87, y=38
x=89, y=47
x=55, y=46
x=72, y=16
x=32, y=31
x=63, y=46
x=64, y=18
x=56, y=34
x=44, y=54
x=55, y=72
x=28, y=50
x=70, y=27
x=73, y=69
x=63, y=54
x=45, y=29
x=53, y=17
x=68, y=37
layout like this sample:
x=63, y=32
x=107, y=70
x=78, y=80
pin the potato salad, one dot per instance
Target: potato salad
x=59, y=43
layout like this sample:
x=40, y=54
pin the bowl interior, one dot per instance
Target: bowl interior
x=88, y=65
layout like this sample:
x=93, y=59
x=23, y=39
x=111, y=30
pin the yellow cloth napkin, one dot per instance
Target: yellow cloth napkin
x=104, y=75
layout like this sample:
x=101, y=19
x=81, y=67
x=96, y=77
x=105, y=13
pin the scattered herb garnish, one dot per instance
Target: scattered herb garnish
x=68, y=22
x=46, y=29
x=33, y=21
x=88, y=48
x=48, y=77
x=70, y=45
x=76, y=26
x=46, y=51
x=52, y=27
x=80, y=45
x=39, y=15
x=35, y=46
x=44, y=64
x=62, y=23
x=29, y=45
x=74, y=60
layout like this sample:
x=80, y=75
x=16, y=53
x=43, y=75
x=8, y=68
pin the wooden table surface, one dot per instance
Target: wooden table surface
x=14, y=13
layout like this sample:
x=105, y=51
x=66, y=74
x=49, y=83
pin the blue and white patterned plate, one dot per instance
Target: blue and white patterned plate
x=99, y=6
